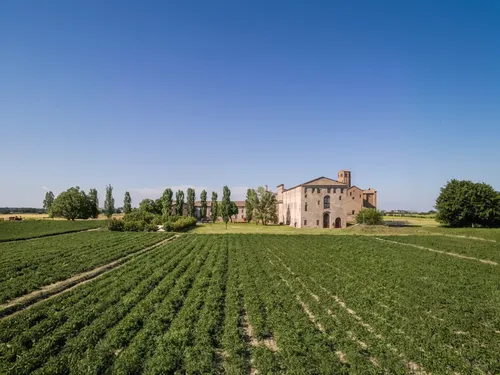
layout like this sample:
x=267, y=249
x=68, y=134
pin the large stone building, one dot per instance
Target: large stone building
x=323, y=202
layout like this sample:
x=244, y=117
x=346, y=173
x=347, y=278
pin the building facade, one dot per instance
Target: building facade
x=323, y=202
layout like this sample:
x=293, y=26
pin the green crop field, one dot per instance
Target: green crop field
x=272, y=304
x=28, y=265
x=21, y=230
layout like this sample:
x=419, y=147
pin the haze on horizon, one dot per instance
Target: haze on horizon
x=246, y=94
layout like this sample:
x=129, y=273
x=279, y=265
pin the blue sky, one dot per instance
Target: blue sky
x=145, y=95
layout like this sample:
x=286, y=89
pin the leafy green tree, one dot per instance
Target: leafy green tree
x=203, y=210
x=214, y=208
x=468, y=204
x=71, y=204
x=191, y=198
x=263, y=203
x=94, y=203
x=233, y=211
x=226, y=204
x=370, y=216
x=109, y=203
x=47, y=202
x=127, y=203
x=167, y=199
x=251, y=198
x=179, y=202
x=149, y=206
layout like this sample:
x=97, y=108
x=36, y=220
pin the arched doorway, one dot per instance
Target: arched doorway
x=338, y=223
x=326, y=220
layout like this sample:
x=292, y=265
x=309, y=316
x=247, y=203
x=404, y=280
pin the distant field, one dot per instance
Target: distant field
x=28, y=265
x=422, y=221
x=270, y=304
x=16, y=230
x=46, y=217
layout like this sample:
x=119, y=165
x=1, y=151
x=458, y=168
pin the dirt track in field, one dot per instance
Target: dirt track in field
x=19, y=304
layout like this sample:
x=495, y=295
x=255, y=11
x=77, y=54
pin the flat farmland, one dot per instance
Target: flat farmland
x=21, y=230
x=273, y=304
x=28, y=265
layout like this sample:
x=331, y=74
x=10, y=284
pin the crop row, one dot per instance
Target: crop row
x=28, y=265
x=84, y=330
x=21, y=230
x=404, y=310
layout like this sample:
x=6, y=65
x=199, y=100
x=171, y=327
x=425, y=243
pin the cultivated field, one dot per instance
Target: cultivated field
x=272, y=304
x=20, y=230
x=28, y=265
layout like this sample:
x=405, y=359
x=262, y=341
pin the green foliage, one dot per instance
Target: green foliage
x=179, y=202
x=203, y=209
x=29, y=265
x=166, y=199
x=109, y=203
x=191, y=199
x=134, y=226
x=127, y=203
x=214, y=208
x=116, y=225
x=93, y=203
x=369, y=216
x=262, y=203
x=467, y=204
x=179, y=224
x=72, y=204
x=233, y=211
x=226, y=204
x=139, y=215
x=151, y=206
x=47, y=202
x=26, y=229
x=250, y=200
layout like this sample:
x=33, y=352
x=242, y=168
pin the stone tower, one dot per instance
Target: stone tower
x=344, y=177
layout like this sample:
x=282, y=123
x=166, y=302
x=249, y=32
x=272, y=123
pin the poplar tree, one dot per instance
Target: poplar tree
x=179, y=201
x=214, y=208
x=109, y=203
x=166, y=199
x=48, y=201
x=93, y=203
x=226, y=204
x=203, y=209
x=127, y=203
x=191, y=197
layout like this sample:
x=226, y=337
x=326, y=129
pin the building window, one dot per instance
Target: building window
x=350, y=193
x=326, y=202
x=305, y=208
x=353, y=212
x=329, y=190
x=340, y=198
x=317, y=222
x=305, y=195
x=352, y=197
x=319, y=190
x=341, y=190
x=305, y=222
x=242, y=216
x=318, y=203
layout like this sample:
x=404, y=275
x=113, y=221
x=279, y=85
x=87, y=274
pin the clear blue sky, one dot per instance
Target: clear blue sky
x=149, y=94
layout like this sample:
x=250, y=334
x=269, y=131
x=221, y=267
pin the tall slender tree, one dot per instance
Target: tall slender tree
x=166, y=199
x=263, y=203
x=203, y=209
x=191, y=198
x=127, y=203
x=109, y=203
x=214, y=212
x=249, y=204
x=179, y=202
x=93, y=203
x=48, y=201
x=226, y=204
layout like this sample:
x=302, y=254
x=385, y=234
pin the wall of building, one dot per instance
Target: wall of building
x=316, y=208
x=289, y=212
x=354, y=203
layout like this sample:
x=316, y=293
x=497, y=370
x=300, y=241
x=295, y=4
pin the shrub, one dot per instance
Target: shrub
x=138, y=215
x=370, y=216
x=134, y=226
x=151, y=227
x=180, y=224
x=116, y=225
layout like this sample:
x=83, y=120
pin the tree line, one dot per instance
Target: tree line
x=75, y=203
